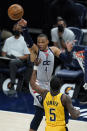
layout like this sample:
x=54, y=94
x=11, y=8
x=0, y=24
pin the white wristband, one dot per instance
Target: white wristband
x=35, y=67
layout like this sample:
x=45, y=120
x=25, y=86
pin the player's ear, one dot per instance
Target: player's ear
x=48, y=41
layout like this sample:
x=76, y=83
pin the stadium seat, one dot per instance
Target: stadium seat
x=82, y=13
x=72, y=67
x=72, y=73
x=78, y=35
x=5, y=75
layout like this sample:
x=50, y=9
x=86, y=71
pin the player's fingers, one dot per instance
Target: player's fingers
x=22, y=22
x=37, y=61
x=74, y=41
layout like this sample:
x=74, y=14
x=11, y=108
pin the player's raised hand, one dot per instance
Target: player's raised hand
x=69, y=46
x=22, y=22
x=37, y=61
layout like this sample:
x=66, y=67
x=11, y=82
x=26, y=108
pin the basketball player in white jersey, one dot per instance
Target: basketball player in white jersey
x=45, y=68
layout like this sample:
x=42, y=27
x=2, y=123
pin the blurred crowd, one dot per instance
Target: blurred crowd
x=59, y=15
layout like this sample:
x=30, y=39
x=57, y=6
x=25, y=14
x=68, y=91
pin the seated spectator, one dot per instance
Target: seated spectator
x=61, y=34
x=15, y=47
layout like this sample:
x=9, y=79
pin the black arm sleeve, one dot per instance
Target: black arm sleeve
x=27, y=37
x=66, y=57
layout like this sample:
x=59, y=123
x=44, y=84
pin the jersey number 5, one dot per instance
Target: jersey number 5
x=52, y=115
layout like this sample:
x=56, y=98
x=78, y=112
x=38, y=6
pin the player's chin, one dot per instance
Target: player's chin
x=41, y=48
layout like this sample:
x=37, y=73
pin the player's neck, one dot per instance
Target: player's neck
x=45, y=50
x=54, y=93
x=17, y=36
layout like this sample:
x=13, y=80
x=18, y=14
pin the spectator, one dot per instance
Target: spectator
x=15, y=47
x=61, y=34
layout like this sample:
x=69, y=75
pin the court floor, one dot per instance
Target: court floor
x=17, y=112
x=12, y=121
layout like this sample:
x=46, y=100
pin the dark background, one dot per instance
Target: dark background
x=40, y=14
x=33, y=12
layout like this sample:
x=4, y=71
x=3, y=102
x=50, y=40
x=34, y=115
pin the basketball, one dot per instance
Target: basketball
x=15, y=12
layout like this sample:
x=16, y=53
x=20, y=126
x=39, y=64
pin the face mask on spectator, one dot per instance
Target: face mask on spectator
x=16, y=33
x=60, y=28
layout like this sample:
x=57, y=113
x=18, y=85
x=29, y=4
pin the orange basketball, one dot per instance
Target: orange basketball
x=15, y=12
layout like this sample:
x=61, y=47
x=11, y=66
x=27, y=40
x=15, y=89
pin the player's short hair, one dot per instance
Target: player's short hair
x=43, y=35
x=55, y=83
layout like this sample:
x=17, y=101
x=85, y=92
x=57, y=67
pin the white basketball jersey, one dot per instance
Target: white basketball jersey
x=45, y=68
x=44, y=73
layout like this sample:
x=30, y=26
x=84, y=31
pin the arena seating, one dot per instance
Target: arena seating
x=78, y=35
x=72, y=73
x=5, y=75
x=82, y=13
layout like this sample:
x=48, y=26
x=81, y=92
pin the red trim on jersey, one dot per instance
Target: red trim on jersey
x=46, y=55
x=45, y=51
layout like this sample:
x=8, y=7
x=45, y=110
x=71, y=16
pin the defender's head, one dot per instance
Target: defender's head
x=55, y=85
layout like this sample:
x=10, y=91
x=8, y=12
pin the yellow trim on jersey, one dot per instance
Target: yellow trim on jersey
x=54, y=110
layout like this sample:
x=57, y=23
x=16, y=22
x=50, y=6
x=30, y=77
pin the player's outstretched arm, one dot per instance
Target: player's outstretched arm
x=67, y=102
x=26, y=34
x=66, y=56
x=36, y=87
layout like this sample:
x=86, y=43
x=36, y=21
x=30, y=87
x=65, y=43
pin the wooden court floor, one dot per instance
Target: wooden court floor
x=12, y=121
